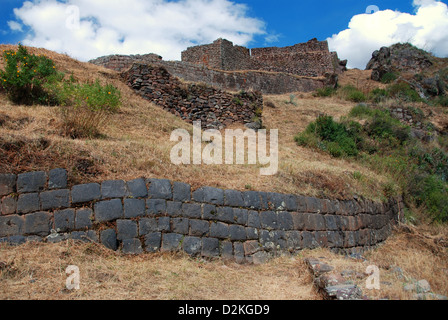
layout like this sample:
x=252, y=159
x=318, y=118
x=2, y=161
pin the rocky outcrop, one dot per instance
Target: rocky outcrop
x=412, y=65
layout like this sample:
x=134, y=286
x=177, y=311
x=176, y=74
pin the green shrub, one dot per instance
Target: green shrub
x=325, y=92
x=25, y=75
x=378, y=95
x=389, y=77
x=360, y=111
x=442, y=101
x=85, y=108
x=351, y=93
x=430, y=192
x=403, y=91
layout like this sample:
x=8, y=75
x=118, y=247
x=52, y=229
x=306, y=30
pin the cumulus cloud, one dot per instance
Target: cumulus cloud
x=87, y=29
x=426, y=28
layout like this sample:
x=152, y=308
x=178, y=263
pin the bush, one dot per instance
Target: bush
x=389, y=77
x=350, y=93
x=403, y=91
x=85, y=108
x=360, y=111
x=325, y=92
x=25, y=75
x=442, y=101
x=336, y=138
x=378, y=95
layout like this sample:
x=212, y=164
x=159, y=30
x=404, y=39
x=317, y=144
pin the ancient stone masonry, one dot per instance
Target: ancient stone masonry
x=194, y=102
x=312, y=59
x=152, y=215
x=303, y=67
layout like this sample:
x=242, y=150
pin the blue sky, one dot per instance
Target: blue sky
x=167, y=27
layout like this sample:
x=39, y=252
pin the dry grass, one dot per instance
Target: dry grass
x=421, y=253
x=37, y=271
x=136, y=142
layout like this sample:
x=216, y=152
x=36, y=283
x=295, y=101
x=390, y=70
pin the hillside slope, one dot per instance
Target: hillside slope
x=136, y=142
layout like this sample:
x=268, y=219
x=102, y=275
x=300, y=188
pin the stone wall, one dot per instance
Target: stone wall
x=193, y=102
x=265, y=82
x=152, y=215
x=310, y=59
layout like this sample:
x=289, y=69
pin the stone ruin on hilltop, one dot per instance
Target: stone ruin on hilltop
x=223, y=66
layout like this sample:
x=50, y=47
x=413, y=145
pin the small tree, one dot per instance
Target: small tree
x=24, y=76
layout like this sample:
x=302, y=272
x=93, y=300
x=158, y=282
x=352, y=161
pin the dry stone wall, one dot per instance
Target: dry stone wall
x=152, y=215
x=194, y=102
x=265, y=82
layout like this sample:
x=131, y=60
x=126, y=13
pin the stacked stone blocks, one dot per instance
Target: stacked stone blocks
x=152, y=215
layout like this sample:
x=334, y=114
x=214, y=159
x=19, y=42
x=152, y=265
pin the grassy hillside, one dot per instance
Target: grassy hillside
x=136, y=142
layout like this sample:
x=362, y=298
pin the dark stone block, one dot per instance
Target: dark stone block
x=83, y=218
x=57, y=179
x=14, y=240
x=28, y=203
x=180, y=225
x=237, y=233
x=335, y=239
x=252, y=200
x=108, y=210
x=314, y=222
x=160, y=189
x=309, y=240
x=313, y=205
x=238, y=252
x=253, y=219
x=181, y=192
x=301, y=203
x=84, y=236
x=192, y=245
x=294, y=240
x=226, y=249
x=252, y=233
x=148, y=225
x=276, y=200
x=55, y=199
x=322, y=238
x=64, y=220
x=31, y=181
x=209, y=212
x=349, y=239
x=269, y=220
x=171, y=241
x=86, y=193
x=127, y=229
x=240, y=216
x=209, y=195
x=137, y=188
x=285, y=221
x=199, y=228
x=11, y=226
x=113, y=189
x=174, y=208
x=132, y=246
x=109, y=239
x=290, y=202
x=331, y=222
x=265, y=204
x=225, y=214
x=153, y=241
x=164, y=224
x=267, y=240
x=251, y=247
x=298, y=220
x=233, y=198
x=7, y=184
x=134, y=208
x=210, y=247
x=219, y=230
x=191, y=210
x=9, y=205
x=38, y=223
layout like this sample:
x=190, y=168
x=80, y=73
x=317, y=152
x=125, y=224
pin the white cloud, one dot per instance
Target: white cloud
x=15, y=26
x=427, y=28
x=134, y=26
